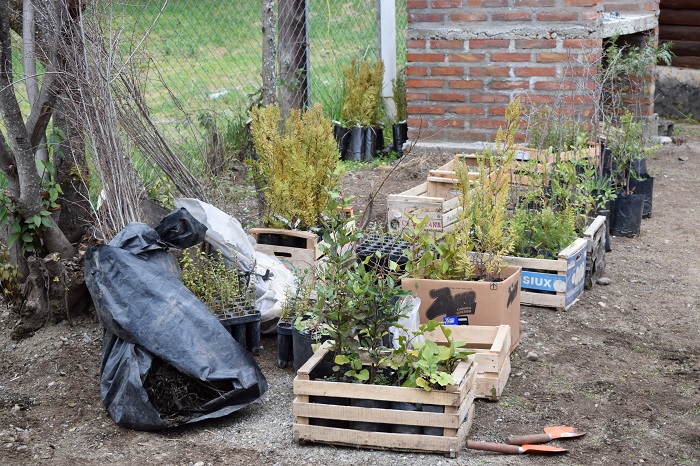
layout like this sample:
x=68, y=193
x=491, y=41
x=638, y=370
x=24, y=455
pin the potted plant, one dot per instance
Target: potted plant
x=362, y=110
x=399, y=130
x=463, y=277
x=226, y=293
x=627, y=147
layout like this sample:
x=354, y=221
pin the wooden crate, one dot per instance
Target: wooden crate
x=456, y=420
x=492, y=346
x=441, y=211
x=553, y=283
x=294, y=248
x=595, y=253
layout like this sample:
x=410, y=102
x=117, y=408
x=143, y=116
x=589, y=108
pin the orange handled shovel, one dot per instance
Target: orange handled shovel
x=513, y=449
x=551, y=433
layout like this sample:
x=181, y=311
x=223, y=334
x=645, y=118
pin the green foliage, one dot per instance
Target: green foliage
x=29, y=230
x=428, y=365
x=298, y=165
x=398, y=87
x=219, y=286
x=363, y=87
x=627, y=146
x=544, y=232
x=226, y=139
x=549, y=129
x=9, y=276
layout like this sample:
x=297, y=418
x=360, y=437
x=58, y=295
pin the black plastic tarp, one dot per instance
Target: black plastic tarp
x=147, y=312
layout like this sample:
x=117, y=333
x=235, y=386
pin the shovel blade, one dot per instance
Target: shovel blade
x=563, y=432
x=542, y=449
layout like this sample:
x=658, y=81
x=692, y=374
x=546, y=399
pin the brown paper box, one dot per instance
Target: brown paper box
x=472, y=302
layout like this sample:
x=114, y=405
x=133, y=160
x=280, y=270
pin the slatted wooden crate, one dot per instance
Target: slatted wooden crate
x=295, y=248
x=416, y=202
x=595, y=253
x=457, y=403
x=553, y=283
x=492, y=346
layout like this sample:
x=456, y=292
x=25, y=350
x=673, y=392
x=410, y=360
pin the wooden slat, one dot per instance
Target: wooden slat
x=574, y=249
x=679, y=4
x=542, y=299
x=381, y=440
x=686, y=62
x=549, y=265
x=686, y=48
x=379, y=415
x=674, y=33
x=679, y=17
x=491, y=385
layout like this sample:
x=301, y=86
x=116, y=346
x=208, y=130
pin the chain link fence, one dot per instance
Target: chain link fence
x=208, y=55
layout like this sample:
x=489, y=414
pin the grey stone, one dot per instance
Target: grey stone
x=603, y=281
x=532, y=356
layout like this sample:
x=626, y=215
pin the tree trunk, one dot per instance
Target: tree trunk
x=292, y=55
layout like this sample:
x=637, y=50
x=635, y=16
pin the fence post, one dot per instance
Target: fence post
x=292, y=54
x=387, y=50
x=268, y=53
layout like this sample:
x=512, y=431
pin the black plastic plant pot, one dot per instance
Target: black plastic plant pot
x=369, y=426
x=432, y=409
x=342, y=138
x=605, y=211
x=355, y=144
x=245, y=329
x=402, y=428
x=399, y=133
x=379, y=130
x=628, y=214
x=607, y=162
x=369, y=143
x=285, y=345
x=638, y=168
x=644, y=185
x=302, y=342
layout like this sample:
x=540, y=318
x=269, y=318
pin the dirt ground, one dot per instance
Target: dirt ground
x=623, y=364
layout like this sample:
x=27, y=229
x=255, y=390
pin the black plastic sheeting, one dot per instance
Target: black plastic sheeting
x=147, y=312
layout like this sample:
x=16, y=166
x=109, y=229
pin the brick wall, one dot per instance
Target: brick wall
x=631, y=6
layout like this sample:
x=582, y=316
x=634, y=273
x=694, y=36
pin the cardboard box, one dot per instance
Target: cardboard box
x=471, y=302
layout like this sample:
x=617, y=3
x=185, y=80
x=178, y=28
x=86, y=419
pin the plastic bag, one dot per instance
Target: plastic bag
x=411, y=322
x=148, y=313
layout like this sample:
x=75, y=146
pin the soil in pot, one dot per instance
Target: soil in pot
x=644, y=185
x=628, y=214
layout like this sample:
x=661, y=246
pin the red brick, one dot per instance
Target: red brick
x=552, y=57
x=450, y=123
x=466, y=84
x=447, y=71
x=489, y=71
x=534, y=71
x=446, y=44
x=555, y=85
x=489, y=98
x=538, y=99
x=419, y=83
x=497, y=110
x=514, y=16
x=501, y=85
x=415, y=44
x=416, y=96
x=535, y=44
x=447, y=97
x=468, y=17
x=581, y=2
x=416, y=4
x=577, y=100
x=510, y=57
x=557, y=16
x=418, y=123
x=426, y=110
x=426, y=17
x=492, y=124
x=424, y=57
x=488, y=44
x=467, y=110
x=582, y=43
x=539, y=3
x=465, y=57
x=488, y=3
x=589, y=15
x=416, y=71
x=447, y=3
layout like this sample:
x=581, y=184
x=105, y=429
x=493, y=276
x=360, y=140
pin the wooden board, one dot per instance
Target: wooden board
x=553, y=282
x=294, y=248
x=595, y=252
x=457, y=401
x=415, y=202
x=492, y=346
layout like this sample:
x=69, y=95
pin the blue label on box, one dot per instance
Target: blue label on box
x=450, y=320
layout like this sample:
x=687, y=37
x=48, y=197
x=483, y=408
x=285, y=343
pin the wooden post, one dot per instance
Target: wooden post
x=292, y=54
x=269, y=73
x=386, y=12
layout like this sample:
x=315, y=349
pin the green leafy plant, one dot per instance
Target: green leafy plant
x=627, y=146
x=29, y=230
x=223, y=289
x=9, y=276
x=363, y=85
x=298, y=165
x=428, y=365
x=543, y=232
x=398, y=87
